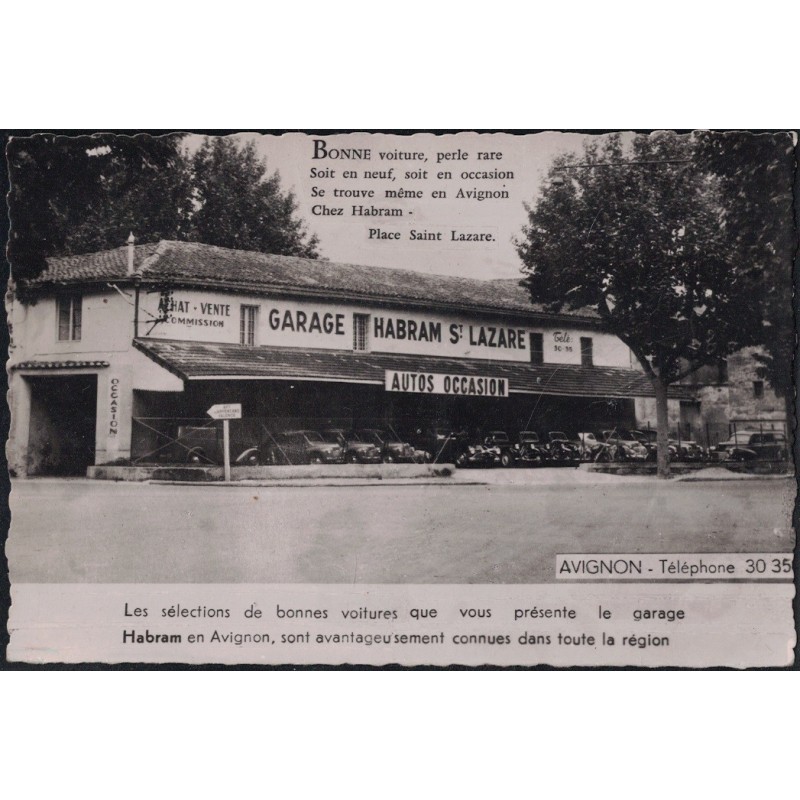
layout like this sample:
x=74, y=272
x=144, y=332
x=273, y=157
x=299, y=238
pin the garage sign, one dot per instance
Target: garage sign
x=445, y=383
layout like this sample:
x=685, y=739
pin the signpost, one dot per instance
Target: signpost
x=226, y=412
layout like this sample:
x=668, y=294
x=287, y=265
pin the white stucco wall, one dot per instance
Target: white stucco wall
x=107, y=329
x=106, y=322
x=106, y=335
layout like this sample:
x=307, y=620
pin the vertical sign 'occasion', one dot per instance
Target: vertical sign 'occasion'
x=113, y=407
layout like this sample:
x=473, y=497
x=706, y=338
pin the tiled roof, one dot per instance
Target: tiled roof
x=106, y=265
x=206, y=266
x=200, y=360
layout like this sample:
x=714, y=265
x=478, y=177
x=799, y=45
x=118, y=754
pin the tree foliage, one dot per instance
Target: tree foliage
x=645, y=247
x=756, y=175
x=83, y=194
x=639, y=236
x=241, y=206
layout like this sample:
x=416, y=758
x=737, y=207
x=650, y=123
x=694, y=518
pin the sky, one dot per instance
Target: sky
x=346, y=238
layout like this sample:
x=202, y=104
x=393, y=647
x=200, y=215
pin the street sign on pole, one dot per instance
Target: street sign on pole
x=226, y=412
x=226, y=448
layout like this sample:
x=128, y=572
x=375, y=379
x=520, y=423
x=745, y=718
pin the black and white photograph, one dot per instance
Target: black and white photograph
x=370, y=398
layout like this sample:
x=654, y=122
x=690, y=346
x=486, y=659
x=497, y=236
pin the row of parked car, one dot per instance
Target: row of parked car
x=640, y=445
x=339, y=446
x=202, y=445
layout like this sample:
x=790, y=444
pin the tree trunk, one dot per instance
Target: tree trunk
x=662, y=427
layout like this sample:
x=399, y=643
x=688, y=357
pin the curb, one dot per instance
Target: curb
x=387, y=482
x=319, y=483
x=736, y=476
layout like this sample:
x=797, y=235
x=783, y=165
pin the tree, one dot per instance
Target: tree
x=639, y=236
x=756, y=173
x=86, y=193
x=240, y=205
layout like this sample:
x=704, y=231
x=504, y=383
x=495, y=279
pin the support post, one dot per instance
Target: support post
x=136, y=291
x=226, y=446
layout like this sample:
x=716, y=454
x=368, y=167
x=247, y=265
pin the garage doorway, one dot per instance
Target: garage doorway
x=63, y=424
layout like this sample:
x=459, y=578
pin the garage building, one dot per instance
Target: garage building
x=112, y=350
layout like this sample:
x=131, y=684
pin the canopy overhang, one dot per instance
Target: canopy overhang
x=205, y=361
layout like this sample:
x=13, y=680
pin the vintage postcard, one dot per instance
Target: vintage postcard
x=414, y=399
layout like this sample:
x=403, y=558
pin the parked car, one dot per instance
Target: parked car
x=645, y=435
x=391, y=448
x=202, y=444
x=647, y=438
x=589, y=445
x=529, y=451
x=562, y=449
x=476, y=455
x=442, y=445
x=303, y=447
x=677, y=450
x=500, y=447
x=686, y=450
x=620, y=445
x=752, y=446
x=356, y=451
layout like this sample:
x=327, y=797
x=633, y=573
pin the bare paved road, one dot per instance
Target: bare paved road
x=84, y=531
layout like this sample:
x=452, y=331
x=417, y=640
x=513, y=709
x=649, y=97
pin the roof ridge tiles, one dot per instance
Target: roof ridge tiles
x=149, y=261
x=163, y=245
x=200, y=264
x=121, y=249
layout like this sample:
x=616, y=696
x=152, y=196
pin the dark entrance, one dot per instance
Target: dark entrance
x=62, y=425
